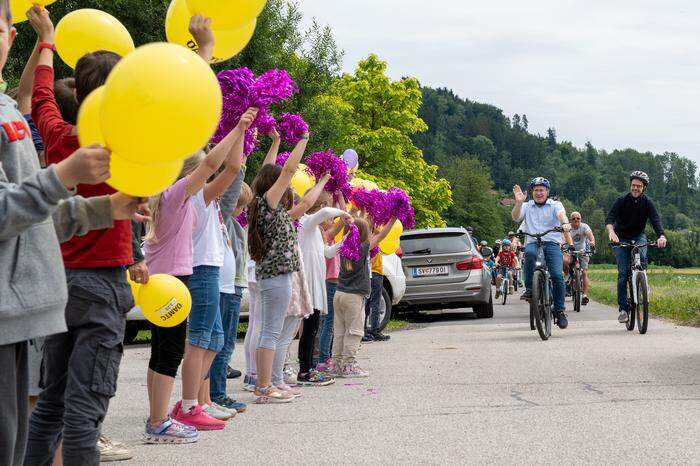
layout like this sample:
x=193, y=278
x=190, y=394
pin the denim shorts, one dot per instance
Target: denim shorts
x=205, y=329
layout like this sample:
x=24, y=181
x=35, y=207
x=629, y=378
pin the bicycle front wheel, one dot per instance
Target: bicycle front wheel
x=539, y=306
x=505, y=290
x=632, y=306
x=642, y=309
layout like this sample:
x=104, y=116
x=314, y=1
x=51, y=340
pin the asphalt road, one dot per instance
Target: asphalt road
x=457, y=390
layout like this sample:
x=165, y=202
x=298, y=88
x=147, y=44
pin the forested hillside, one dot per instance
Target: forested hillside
x=585, y=178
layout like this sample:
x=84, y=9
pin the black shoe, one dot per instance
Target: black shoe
x=527, y=295
x=585, y=300
x=379, y=336
x=368, y=338
x=232, y=373
x=562, y=321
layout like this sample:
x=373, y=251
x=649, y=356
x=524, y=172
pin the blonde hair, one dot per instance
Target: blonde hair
x=245, y=197
x=190, y=165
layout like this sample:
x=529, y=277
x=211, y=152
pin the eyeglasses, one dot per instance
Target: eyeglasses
x=575, y=218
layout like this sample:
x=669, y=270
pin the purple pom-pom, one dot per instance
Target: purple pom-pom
x=292, y=128
x=250, y=142
x=399, y=205
x=271, y=87
x=282, y=158
x=235, y=87
x=264, y=122
x=242, y=218
x=352, y=246
x=373, y=202
x=319, y=163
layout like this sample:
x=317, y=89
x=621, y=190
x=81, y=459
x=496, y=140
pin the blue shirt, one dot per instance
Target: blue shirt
x=538, y=219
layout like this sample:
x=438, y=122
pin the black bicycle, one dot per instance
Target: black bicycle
x=576, y=281
x=637, y=287
x=542, y=302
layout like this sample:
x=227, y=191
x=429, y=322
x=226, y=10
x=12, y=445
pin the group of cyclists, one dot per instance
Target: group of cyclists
x=570, y=241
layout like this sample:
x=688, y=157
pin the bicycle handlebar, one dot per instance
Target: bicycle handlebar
x=540, y=235
x=633, y=246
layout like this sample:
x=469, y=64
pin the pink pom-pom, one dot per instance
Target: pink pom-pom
x=282, y=158
x=352, y=246
x=319, y=163
x=292, y=128
x=264, y=122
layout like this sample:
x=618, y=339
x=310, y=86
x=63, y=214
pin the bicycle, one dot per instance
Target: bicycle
x=637, y=287
x=576, y=283
x=542, y=301
x=505, y=283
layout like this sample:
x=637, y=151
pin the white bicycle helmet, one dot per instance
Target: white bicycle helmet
x=641, y=176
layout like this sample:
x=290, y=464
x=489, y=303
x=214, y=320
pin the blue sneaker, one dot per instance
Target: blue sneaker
x=170, y=431
x=230, y=403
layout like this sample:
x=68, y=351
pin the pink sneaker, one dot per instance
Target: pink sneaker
x=325, y=366
x=196, y=418
x=294, y=391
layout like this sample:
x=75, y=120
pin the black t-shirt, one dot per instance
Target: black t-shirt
x=629, y=216
x=354, y=277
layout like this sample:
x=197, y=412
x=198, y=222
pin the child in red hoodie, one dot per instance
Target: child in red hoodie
x=81, y=366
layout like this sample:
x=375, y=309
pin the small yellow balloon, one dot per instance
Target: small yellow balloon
x=88, y=30
x=89, y=130
x=361, y=182
x=19, y=8
x=227, y=42
x=161, y=103
x=135, y=287
x=165, y=301
x=140, y=180
x=227, y=14
x=391, y=243
x=301, y=181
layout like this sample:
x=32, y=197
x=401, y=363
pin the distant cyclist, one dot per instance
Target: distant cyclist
x=497, y=247
x=506, y=262
x=582, y=236
x=483, y=246
x=539, y=215
x=514, y=241
x=625, y=223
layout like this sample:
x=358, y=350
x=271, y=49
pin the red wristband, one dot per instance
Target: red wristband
x=47, y=45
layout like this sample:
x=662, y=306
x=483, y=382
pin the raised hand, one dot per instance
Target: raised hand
x=41, y=23
x=247, y=118
x=518, y=194
x=87, y=165
x=200, y=28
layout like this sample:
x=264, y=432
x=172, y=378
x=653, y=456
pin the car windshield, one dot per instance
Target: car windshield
x=435, y=243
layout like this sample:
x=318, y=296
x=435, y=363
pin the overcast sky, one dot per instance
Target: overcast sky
x=618, y=73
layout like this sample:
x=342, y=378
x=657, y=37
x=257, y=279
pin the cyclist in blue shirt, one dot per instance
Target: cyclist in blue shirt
x=539, y=215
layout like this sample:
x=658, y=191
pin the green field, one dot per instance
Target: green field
x=674, y=293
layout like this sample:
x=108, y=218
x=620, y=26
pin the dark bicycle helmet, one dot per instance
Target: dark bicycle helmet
x=540, y=181
x=486, y=252
x=641, y=176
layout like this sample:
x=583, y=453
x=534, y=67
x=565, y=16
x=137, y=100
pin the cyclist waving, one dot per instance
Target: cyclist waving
x=625, y=224
x=539, y=215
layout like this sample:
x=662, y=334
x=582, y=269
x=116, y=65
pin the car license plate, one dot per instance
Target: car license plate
x=431, y=271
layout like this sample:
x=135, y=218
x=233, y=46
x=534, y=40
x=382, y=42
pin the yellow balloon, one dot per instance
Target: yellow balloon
x=165, y=301
x=87, y=30
x=140, y=180
x=135, y=287
x=227, y=14
x=19, y=8
x=227, y=42
x=162, y=103
x=391, y=243
x=302, y=181
x=89, y=130
x=361, y=182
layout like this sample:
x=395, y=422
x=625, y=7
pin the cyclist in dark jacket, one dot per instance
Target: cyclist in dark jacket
x=625, y=224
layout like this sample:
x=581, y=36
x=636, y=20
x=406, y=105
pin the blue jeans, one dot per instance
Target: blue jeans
x=230, y=308
x=325, y=338
x=555, y=263
x=205, y=327
x=624, y=268
x=372, y=305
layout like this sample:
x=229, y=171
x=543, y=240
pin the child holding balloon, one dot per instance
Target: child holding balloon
x=169, y=249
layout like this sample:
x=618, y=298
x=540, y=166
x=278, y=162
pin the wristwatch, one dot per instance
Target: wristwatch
x=47, y=45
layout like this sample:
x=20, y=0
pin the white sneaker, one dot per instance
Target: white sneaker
x=232, y=412
x=217, y=412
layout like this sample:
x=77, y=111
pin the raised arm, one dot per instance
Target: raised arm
x=520, y=198
x=271, y=157
x=309, y=198
x=275, y=193
x=213, y=160
x=327, y=213
x=200, y=28
x=375, y=239
x=229, y=199
x=26, y=82
x=223, y=180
